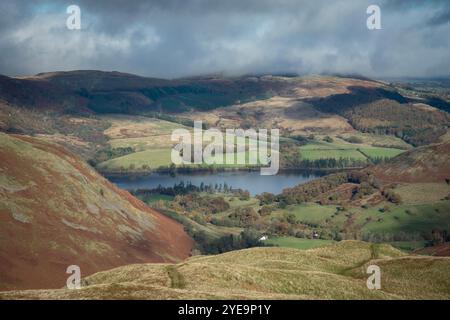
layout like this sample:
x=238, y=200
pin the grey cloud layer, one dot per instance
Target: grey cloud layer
x=173, y=38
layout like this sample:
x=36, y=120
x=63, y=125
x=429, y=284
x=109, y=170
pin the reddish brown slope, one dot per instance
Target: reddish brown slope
x=56, y=211
x=424, y=164
x=441, y=250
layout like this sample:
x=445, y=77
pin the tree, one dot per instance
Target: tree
x=392, y=196
x=265, y=210
x=266, y=198
x=245, y=216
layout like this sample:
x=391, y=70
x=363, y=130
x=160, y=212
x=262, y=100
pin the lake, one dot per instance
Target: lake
x=247, y=180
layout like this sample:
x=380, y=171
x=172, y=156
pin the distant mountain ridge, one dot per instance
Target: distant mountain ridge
x=136, y=94
x=366, y=105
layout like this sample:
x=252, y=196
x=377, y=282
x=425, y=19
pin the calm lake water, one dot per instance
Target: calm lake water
x=247, y=180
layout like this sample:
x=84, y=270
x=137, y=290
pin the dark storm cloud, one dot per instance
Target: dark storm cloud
x=439, y=19
x=173, y=38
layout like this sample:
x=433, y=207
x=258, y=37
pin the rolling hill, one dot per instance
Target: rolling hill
x=70, y=107
x=337, y=271
x=424, y=164
x=56, y=211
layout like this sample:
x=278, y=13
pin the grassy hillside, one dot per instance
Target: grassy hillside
x=55, y=211
x=116, y=92
x=337, y=271
x=385, y=111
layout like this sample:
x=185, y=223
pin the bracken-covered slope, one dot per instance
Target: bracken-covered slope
x=56, y=211
x=333, y=272
x=424, y=164
x=441, y=250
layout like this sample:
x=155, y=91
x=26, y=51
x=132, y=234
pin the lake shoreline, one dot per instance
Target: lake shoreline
x=183, y=171
x=251, y=180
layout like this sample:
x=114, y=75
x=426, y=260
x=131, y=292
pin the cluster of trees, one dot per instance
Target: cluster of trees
x=292, y=159
x=108, y=153
x=306, y=192
x=183, y=188
x=382, y=111
x=379, y=160
x=366, y=184
x=248, y=217
x=208, y=244
x=246, y=239
x=439, y=236
x=195, y=202
x=177, y=189
x=416, y=126
x=244, y=216
x=392, y=196
x=331, y=163
x=266, y=198
x=362, y=190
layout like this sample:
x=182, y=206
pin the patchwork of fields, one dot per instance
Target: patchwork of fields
x=344, y=150
x=150, y=140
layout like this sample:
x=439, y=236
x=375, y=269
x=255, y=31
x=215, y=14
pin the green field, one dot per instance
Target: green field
x=152, y=144
x=298, y=243
x=341, y=149
x=153, y=158
x=316, y=154
x=311, y=212
x=156, y=158
x=406, y=218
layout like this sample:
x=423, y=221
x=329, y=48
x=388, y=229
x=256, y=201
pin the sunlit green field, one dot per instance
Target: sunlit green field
x=336, y=150
x=310, y=212
x=152, y=159
x=405, y=218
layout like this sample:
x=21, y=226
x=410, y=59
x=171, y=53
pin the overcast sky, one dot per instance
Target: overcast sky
x=175, y=38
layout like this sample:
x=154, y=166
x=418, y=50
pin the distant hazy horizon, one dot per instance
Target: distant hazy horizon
x=225, y=75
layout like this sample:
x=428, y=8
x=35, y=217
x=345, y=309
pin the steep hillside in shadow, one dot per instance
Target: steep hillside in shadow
x=56, y=211
x=424, y=164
